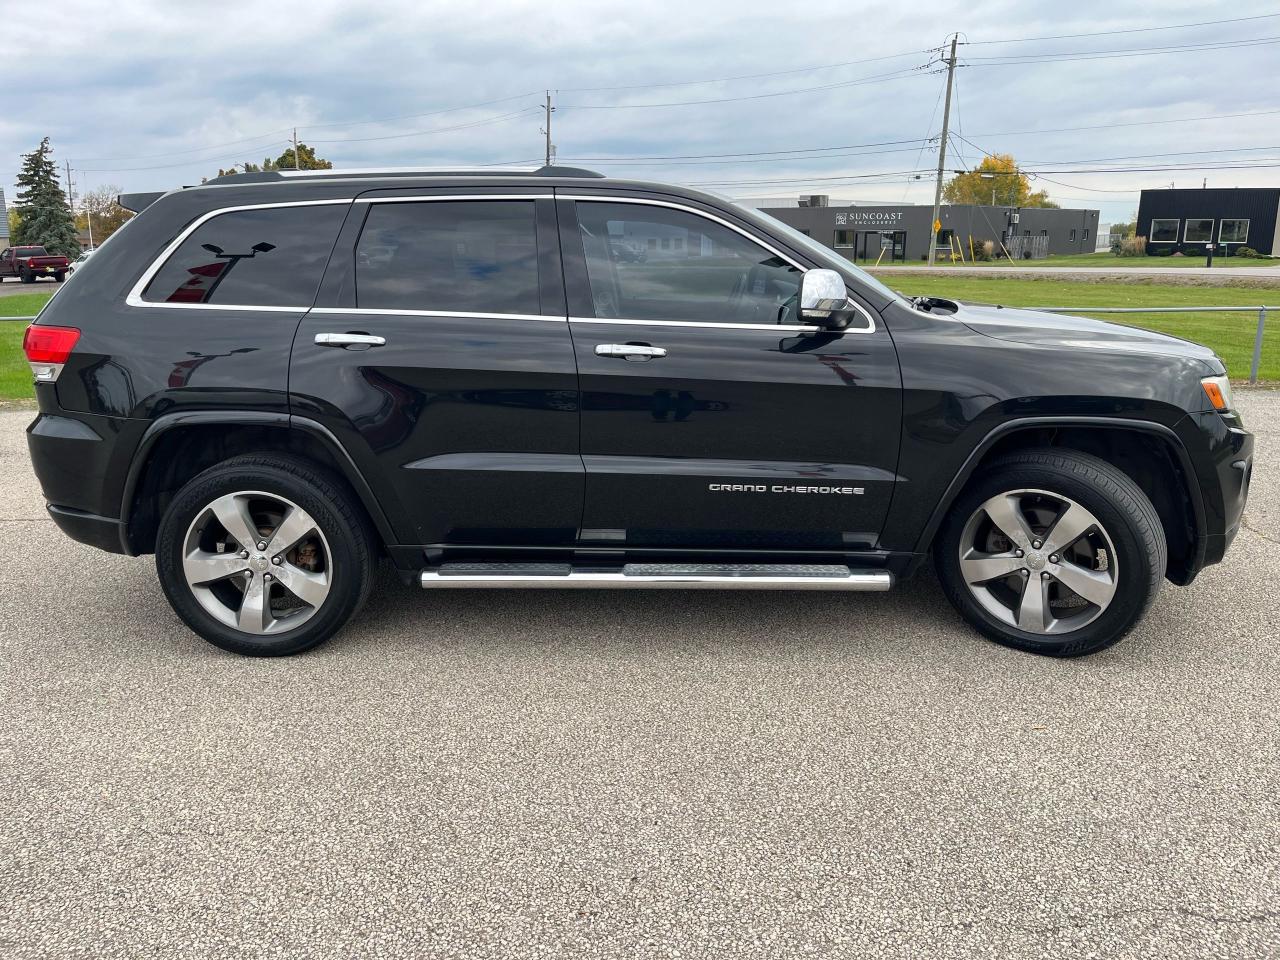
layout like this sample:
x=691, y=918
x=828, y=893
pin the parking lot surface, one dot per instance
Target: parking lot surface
x=611, y=774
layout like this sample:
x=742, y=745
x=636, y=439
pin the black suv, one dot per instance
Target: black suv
x=273, y=380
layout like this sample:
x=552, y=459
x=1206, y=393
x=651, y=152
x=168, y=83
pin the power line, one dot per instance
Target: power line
x=417, y=133
x=1073, y=57
x=1076, y=36
x=745, y=76
x=877, y=78
x=310, y=126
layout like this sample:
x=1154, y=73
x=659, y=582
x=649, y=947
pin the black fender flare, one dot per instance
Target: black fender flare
x=1000, y=431
x=164, y=424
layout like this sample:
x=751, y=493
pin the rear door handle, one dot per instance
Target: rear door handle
x=350, y=340
x=629, y=351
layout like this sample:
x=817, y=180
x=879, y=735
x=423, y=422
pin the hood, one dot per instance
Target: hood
x=1063, y=330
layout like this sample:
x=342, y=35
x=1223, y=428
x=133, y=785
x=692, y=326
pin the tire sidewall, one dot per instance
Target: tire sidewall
x=1136, y=583
x=348, y=566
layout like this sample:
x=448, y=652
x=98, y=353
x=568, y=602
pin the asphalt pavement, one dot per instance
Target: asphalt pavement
x=611, y=774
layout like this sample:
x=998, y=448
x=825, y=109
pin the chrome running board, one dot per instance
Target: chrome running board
x=686, y=576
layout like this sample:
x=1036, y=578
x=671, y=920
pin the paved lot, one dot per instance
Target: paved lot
x=633, y=775
x=11, y=288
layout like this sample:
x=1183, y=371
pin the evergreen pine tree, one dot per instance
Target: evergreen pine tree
x=45, y=216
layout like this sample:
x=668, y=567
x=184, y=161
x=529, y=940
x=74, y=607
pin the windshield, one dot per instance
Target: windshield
x=828, y=257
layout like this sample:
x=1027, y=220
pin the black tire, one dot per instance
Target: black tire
x=338, y=516
x=26, y=277
x=60, y=276
x=1122, y=510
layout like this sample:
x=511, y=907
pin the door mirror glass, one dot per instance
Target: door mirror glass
x=822, y=295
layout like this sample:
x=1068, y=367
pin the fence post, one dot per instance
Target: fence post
x=1257, y=345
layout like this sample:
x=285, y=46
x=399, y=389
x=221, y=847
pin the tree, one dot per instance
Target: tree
x=107, y=215
x=307, y=160
x=44, y=217
x=1008, y=187
x=14, y=219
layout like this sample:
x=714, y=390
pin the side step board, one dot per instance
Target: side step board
x=687, y=576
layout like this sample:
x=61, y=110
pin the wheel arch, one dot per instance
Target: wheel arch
x=178, y=446
x=1158, y=462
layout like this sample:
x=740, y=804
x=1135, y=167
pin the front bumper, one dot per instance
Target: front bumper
x=1224, y=473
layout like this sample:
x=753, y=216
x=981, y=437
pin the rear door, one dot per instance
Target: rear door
x=439, y=355
x=713, y=418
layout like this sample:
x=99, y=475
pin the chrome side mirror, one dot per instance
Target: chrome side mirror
x=822, y=293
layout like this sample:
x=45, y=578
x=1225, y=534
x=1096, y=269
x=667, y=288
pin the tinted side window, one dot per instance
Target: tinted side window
x=656, y=263
x=468, y=256
x=255, y=258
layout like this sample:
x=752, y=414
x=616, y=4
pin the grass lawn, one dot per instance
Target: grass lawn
x=1229, y=334
x=15, y=374
x=1107, y=260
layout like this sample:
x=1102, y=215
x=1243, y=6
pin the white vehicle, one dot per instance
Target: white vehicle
x=78, y=262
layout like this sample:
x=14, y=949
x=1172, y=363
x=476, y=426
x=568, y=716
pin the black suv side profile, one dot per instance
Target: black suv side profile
x=548, y=378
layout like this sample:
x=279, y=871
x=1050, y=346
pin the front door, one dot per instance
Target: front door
x=712, y=417
x=440, y=356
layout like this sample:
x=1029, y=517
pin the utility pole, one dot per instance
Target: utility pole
x=547, y=129
x=296, y=165
x=942, y=152
x=71, y=203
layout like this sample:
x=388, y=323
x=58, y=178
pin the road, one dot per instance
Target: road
x=11, y=288
x=634, y=775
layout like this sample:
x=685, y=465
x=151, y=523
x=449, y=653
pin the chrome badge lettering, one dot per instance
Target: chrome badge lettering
x=783, y=488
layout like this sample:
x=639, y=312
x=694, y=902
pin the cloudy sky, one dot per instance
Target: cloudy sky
x=752, y=99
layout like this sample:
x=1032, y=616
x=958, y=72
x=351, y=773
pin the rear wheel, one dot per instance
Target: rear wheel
x=26, y=277
x=60, y=276
x=1054, y=552
x=264, y=555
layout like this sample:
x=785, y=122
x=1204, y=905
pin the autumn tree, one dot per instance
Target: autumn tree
x=100, y=215
x=1003, y=185
x=307, y=160
x=44, y=216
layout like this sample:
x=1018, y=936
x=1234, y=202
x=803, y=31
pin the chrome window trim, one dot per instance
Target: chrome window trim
x=447, y=314
x=134, y=298
x=871, y=323
x=456, y=196
x=789, y=327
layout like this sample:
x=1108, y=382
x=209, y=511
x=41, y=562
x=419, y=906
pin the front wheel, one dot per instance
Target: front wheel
x=1052, y=551
x=264, y=555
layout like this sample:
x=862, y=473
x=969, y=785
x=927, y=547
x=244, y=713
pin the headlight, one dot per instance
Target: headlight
x=1218, y=390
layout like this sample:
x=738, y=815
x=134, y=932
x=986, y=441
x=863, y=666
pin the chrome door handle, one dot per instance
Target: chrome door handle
x=629, y=351
x=350, y=340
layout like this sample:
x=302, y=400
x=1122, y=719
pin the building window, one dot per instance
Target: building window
x=1233, y=231
x=1072, y=238
x=1086, y=233
x=844, y=238
x=1164, y=231
x=1199, y=231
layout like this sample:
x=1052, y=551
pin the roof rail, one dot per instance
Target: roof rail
x=269, y=176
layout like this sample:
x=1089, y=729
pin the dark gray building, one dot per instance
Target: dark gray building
x=1230, y=218
x=901, y=231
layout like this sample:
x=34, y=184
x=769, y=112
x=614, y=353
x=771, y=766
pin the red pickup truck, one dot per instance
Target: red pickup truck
x=28, y=264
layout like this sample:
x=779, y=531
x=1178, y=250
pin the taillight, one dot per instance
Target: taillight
x=31, y=263
x=47, y=349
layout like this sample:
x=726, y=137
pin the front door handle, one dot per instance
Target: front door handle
x=629, y=351
x=350, y=340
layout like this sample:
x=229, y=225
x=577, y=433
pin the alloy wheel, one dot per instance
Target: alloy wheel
x=1038, y=561
x=257, y=562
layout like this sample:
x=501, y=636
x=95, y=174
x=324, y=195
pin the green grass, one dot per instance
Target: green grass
x=15, y=374
x=1229, y=334
x=23, y=304
x=1107, y=260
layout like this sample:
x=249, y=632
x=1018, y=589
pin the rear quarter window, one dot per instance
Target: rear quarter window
x=271, y=257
